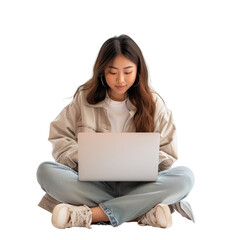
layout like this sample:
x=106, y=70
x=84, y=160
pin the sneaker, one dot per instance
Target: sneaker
x=159, y=216
x=184, y=209
x=66, y=216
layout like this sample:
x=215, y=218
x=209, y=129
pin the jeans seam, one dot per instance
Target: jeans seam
x=109, y=214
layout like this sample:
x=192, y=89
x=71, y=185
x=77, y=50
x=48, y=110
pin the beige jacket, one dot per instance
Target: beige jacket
x=80, y=116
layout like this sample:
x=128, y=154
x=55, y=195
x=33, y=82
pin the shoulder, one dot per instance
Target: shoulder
x=163, y=115
x=80, y=96
x=159, y=102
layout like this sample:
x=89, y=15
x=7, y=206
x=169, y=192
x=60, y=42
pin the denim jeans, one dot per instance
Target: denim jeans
x=120, y=201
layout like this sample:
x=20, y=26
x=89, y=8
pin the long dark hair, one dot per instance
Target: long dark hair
x=139, y=94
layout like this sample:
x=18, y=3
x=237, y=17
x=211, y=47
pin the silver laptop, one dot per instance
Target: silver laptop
x=118, y=156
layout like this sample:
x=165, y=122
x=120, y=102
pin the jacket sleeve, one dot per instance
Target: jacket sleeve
x=168, y=139
x=63, y=137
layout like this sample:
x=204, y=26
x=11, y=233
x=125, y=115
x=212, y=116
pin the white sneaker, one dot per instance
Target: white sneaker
x=159, y=216
x=66, y=215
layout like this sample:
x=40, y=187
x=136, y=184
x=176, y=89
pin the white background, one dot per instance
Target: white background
x=192, y=49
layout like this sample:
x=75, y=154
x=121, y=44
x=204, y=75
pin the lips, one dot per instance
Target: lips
x=120, y=87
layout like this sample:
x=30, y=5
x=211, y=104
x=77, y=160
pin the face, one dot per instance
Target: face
x=120, y=75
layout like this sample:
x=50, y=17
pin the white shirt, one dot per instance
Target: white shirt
x=118, y=113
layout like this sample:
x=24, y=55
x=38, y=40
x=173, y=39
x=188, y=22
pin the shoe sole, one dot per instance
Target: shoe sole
x=60, y=216
x=163, y=216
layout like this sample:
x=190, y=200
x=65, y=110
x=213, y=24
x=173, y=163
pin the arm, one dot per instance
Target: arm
x=63, y=135
x=168, y=141
x=164, y=124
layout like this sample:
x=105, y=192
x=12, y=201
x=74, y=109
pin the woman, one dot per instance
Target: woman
x=116, y=99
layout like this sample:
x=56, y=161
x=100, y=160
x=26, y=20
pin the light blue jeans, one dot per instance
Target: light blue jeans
x=120, y=201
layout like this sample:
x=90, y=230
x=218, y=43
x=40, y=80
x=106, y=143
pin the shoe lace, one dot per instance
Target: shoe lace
x=148, y=218
x=80, y=217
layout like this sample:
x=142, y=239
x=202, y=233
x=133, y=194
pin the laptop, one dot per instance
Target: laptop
x=124, y=156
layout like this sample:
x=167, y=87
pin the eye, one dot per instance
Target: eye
x=128, y=72
x=113, y=73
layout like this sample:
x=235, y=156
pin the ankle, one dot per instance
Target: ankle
x=98, y=215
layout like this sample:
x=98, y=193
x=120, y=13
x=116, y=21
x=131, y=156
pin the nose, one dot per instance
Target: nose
x=120, y=78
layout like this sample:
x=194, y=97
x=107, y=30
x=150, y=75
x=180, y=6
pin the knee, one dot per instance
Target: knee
x=43, y=171
x=180, y=179
x=185, y=179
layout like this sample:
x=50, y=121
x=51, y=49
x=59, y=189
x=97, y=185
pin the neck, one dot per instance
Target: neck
x=118, y=99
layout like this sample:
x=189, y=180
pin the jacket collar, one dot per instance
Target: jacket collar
x=103, y=103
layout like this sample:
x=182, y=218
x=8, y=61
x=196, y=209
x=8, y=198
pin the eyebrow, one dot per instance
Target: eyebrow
x=123, y=68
